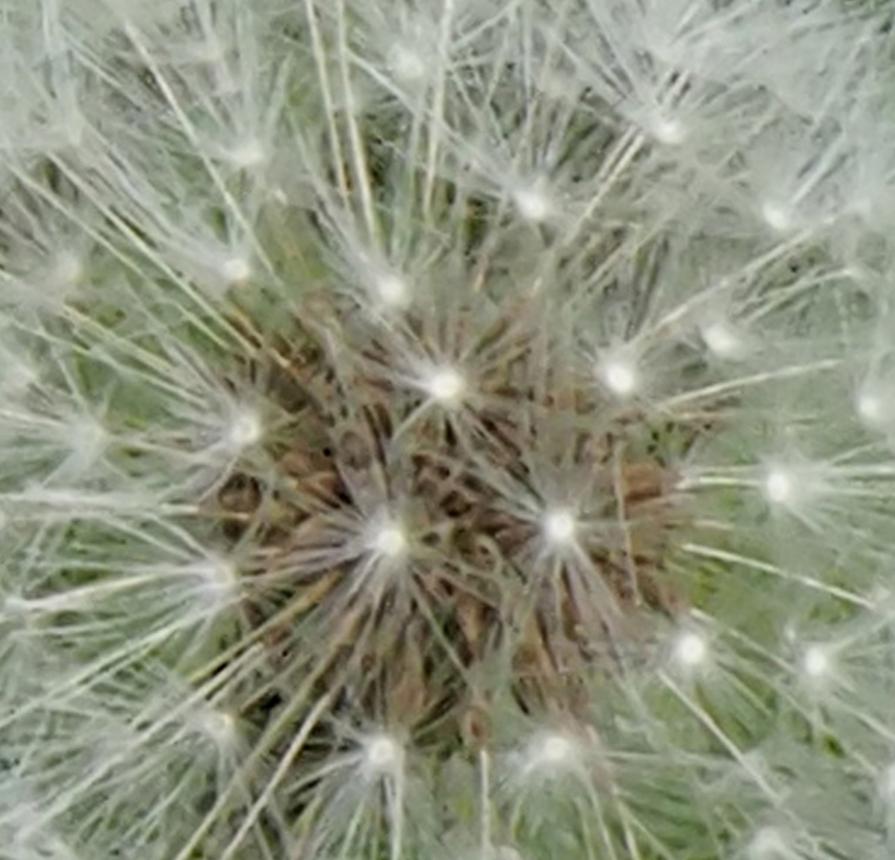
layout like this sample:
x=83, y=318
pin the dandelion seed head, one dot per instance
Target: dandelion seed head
x=358, y=397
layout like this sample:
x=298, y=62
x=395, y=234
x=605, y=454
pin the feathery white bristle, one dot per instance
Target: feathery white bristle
x=459, y=428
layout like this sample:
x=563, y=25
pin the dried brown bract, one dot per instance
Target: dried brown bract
x=430, y=522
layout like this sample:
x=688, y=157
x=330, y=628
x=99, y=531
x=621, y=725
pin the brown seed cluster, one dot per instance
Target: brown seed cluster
x=480, y=593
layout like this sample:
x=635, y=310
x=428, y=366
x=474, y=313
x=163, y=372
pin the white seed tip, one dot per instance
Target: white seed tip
x=767, y=844
x=619, y=376
x=555, y=749
x=218, y=726
x=218, y=581
x=389, y=540
x=669, y=131
x=690, y=649
x=720, y=339
x=249, y=153
x=778, y=486
x=382, y=753
x=871, y=407
x=67, y=269
x=532, y=204
x=235, y=270
x=815, y=662
x=87, y=438
x=391, y=290
x=776, y=217
x=406, y=64
x=549, y=751
x=223, y=572
x=245, y=430
x=559, y=526
x=445, y=385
